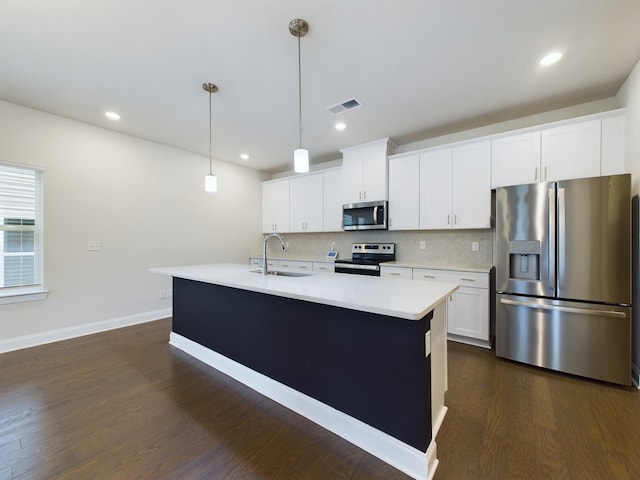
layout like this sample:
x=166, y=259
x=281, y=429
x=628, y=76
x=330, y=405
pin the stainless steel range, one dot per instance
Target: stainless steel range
x=366, y=258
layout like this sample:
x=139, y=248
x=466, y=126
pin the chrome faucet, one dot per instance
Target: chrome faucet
x=264, y=249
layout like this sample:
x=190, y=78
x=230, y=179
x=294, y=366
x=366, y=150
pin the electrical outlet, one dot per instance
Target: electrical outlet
x=475, y=246
x=423, y=245
x=163, y=294
x=93, y=245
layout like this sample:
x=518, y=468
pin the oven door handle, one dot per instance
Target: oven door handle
x=356, y=266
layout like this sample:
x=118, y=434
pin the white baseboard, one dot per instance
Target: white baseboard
x=50, y=336
x=415, y=463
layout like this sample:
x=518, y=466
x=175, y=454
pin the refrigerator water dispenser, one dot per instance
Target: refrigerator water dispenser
x=524, y=259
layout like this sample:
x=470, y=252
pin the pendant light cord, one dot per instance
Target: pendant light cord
x=299, y=93
x=210, y=150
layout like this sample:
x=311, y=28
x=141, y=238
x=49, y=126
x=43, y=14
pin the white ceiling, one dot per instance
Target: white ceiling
x=419, y=67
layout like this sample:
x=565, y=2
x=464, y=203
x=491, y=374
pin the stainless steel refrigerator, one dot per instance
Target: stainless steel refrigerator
x=563, y=276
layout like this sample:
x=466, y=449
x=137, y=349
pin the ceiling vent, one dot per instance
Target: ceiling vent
x=344, y=106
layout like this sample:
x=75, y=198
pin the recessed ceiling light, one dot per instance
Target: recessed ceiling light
x=550, y=59
x=112, y=115
x=244, y=156
x=340, y=126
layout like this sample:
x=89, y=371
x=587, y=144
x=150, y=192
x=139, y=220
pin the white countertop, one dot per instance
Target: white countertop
x=393, y=297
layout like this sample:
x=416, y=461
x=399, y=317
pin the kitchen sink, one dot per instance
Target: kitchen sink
x=281, y=273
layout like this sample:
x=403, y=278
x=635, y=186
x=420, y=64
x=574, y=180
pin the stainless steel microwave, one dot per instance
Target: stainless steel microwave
x=365, y=216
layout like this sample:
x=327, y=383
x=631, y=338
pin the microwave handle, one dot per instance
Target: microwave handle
x=375, y=215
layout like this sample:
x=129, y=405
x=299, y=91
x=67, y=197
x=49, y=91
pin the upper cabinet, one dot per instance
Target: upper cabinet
x=275, y=206
x=571, y=151
x=404, y=193
x=441, y=189
x=332, y=200
x=365, y=171
x=306, y=203
x=436, y=189
x=471, y=185
x=515, y=159
x=575, y=149
x=455, y=189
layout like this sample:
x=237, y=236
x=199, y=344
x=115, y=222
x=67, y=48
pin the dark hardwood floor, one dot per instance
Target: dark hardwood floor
x=126, y=405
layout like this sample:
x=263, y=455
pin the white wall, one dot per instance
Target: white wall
x=143, y=201
x=629, y=96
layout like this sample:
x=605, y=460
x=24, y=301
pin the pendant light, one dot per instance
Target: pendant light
x=210, y=180
x=299, y=28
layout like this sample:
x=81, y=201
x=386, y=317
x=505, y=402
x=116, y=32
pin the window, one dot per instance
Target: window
x=20, y=229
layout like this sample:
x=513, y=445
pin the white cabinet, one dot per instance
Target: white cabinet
x=404, y=193
x=436, y=189
x=296, y=265
x=323, y=267
x=455, y=187
x=365, y=171
x=468, y=308
x=396, y=272
x=612, y=161
x=275, y=206
x=576, y=149
x=332, y=200
x=306, y=203
x=515, y=160
x=471, y=202
x=571, y=151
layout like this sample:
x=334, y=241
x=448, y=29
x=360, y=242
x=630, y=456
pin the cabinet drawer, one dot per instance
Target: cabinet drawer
x=396, y=272
x=295, y=264
x=466, y=279
x=323, y=267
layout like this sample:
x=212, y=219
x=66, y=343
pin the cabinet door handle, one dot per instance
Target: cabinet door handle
x=429, y=276
x=545, y=173
x=535, y=176
x=394, y=273
x=365, y=195
x=468, y=279
x=455, y=219
x=448, y=219
x=303, y=266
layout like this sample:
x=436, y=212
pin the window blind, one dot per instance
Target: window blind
x=20, y=226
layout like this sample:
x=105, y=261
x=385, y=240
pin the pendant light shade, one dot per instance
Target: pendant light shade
x=210, y=183
x=210, y=180
x=301, y=160
x=299, y=28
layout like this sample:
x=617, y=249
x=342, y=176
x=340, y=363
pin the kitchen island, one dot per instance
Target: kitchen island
x=351, y=353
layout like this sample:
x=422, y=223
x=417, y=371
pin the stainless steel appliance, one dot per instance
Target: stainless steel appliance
x=365, y=216
x=366, y=258
x=563, y=276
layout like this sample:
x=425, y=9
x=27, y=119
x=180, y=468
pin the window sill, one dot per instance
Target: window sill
x=17, y=295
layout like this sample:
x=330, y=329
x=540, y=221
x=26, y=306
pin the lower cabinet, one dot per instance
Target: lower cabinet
x=294, y=264
x=469, y=306
x=468, y=309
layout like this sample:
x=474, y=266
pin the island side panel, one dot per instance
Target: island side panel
x=371, y=367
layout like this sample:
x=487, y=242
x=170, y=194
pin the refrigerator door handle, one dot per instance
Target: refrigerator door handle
x=551, y=267
x=562, y=239
x=582, y=311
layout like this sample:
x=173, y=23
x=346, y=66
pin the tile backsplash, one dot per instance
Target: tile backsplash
x=442, y=247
